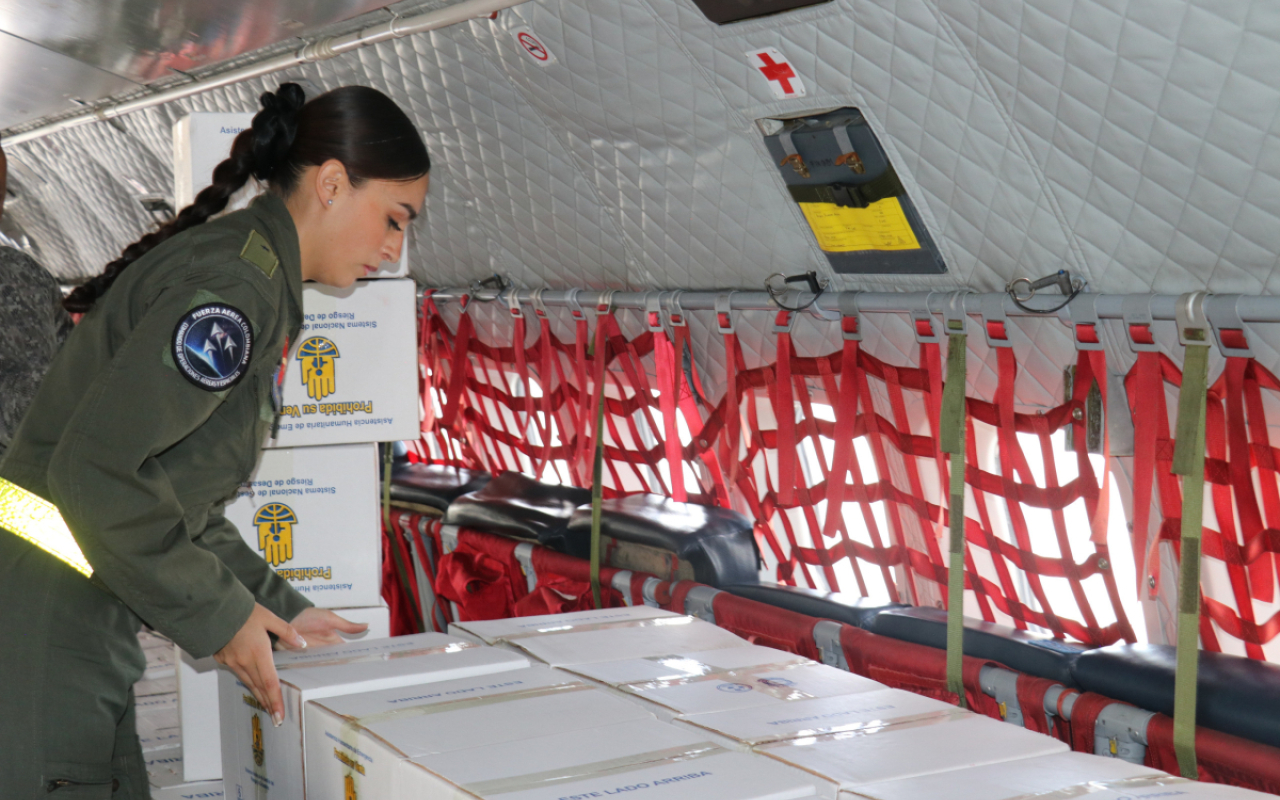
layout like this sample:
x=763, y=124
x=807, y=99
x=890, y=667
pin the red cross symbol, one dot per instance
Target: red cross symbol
x=776, y=69
x=782, y=73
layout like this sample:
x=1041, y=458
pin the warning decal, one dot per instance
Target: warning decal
x=532, y=46
x=880, y=226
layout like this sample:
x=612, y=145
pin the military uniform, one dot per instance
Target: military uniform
x=32, y=327
x=150, y=417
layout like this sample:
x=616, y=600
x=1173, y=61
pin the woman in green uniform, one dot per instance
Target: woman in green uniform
x=152, y=414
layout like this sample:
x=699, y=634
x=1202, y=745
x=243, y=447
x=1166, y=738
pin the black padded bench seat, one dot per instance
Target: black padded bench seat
x=1236, y=695
x=1034, y=654
x=432, y=486
x=859, y=612
x=516, y=505
x=642, y=533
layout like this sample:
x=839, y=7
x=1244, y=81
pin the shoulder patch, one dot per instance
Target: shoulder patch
x=257, y=251
x=212, y=345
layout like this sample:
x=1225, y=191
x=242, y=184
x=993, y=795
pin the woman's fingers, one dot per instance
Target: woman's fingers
x=285, y=632
x=347, y=626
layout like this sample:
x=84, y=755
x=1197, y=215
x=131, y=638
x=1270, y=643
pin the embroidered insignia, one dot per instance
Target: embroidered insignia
x=212, y=345
x=257, y=251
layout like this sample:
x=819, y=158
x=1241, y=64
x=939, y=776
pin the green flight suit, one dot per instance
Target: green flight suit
x=140, y=458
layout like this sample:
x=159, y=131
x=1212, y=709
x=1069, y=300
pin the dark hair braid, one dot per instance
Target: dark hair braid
x=257, y=152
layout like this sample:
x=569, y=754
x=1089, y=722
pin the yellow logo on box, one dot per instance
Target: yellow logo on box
x=275, y=523
x=349, y=787
x=259, y=751
x=317, y=356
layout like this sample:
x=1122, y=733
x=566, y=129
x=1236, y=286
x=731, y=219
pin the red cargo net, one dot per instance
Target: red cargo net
x=1240, y=556
x=786, y=442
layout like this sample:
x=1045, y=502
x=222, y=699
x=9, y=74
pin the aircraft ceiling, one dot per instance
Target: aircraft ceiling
x=1133, y=143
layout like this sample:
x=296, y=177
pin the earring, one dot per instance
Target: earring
x=330, y=202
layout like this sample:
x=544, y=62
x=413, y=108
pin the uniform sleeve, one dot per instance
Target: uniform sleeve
x=223, y=539
x=106, y=478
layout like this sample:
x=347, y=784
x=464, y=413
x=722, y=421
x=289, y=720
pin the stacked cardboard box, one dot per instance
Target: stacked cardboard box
x=312, y=505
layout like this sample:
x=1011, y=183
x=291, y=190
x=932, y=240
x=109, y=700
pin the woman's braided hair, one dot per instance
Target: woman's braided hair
x=359, y=126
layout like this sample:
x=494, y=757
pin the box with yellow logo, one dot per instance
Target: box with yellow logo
x=352, y=374
x=264, y=762
x=313, y=514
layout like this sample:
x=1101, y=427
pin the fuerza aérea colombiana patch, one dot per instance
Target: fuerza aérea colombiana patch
x=212, y=345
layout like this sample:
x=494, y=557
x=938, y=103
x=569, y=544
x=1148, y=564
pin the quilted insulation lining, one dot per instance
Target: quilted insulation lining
x=1131, y=142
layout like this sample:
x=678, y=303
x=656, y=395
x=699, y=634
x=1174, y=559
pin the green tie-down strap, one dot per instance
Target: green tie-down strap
x=951, y=438
x=1188, y=461
x=597, y=486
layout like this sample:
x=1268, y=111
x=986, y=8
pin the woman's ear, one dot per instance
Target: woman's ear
x=331, y=182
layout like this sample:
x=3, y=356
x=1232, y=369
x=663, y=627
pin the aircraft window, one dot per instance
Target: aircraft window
x=850, y=195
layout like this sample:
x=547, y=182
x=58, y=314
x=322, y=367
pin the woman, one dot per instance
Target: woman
x=152, y=415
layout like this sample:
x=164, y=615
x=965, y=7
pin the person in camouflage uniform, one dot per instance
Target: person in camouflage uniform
x=32, y=327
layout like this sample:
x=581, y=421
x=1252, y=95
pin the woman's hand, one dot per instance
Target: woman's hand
x=248, y=655
x=322, y=627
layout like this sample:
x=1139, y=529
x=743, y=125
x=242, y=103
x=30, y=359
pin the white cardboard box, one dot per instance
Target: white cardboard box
x=644, y=759
x=198, y=698
x=201, y=790
x=313, y=513
x=1159, y=787
x=957, y=741
x=164, y=767
x=201, y=141
x=1007, y=780
x=719, y=680
x=352, y=376
x=586, y=643
x=492, y=631
x=361, y=738
x=757, y=725
x=264, y=762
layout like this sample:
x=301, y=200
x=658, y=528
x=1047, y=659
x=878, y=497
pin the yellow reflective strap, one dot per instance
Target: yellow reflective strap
x=35, y=519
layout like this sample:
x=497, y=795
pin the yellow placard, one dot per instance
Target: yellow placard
x=880, y=226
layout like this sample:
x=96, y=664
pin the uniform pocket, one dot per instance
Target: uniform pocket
x=85, y=781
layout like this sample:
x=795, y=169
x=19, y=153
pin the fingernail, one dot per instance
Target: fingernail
x=278, y=719
x=302, y=642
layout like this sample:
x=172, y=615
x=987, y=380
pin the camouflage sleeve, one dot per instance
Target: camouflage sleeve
x=32, y=327
x=223, y=539
x=107, y=479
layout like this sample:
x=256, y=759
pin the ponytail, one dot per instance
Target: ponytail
x=359, y=126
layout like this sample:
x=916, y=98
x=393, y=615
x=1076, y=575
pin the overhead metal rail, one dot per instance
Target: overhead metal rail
x=319, y=50
x=1222, y=310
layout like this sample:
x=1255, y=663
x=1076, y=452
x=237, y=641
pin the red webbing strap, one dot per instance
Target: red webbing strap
x=1084, y=718
x=1031, y=693
x=1013, y=462
x=871, y=421
x=1218, y=429
x=547, y=354
x=668, y=394
x=927, y=524
x=732, y=406
x=1261, y=572
x=1220, y=757
x=846, y=411
x=1264, y=457
x=1150, y=424
x=988, y=539
x=766, y=625
x=638, y=580
x=784, y=411
x=460, y=366
x=518, y=334
x=578, y=464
